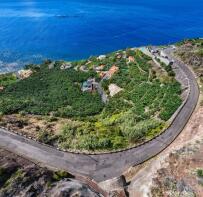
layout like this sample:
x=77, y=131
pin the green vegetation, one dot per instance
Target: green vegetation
x=51, y=91
x=7, y=79
x=10, y=178
x=134, y=115
x=200, y=173
x=17, y=178
x=59, y=175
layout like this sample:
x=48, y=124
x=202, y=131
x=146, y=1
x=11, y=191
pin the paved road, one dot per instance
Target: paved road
x=104, y=166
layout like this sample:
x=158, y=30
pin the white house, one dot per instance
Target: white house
x=66, y=65
x=101, y=57
x=23, y=74
x=89, y=85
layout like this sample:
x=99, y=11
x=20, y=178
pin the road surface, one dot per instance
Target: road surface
x=104, y=166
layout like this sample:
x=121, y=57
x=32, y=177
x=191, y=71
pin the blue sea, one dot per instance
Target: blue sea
x=33, y=30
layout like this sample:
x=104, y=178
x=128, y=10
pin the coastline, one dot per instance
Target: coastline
x=41, y=59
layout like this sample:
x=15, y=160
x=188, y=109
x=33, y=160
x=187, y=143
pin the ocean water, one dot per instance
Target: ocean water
x=33, y=30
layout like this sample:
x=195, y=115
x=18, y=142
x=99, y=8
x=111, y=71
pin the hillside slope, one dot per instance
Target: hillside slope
x=177, y=171
x=104, y=103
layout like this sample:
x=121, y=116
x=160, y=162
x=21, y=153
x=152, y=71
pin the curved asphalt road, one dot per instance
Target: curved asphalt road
x=104, y=166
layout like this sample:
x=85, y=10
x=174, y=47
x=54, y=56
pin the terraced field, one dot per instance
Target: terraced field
x=148, y=97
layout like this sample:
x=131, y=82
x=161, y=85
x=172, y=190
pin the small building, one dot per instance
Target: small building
x=66, y=65
x=131, y=59
x=90, y=85
x=23, y=74
x=100, y=68
x=111, y=72
x=119, y=56
x=101, y=57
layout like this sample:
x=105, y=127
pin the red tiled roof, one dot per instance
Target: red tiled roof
x=113, y=70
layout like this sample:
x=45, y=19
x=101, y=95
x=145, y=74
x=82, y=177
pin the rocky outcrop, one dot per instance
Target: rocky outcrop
x=20, y=177
x=72, y=188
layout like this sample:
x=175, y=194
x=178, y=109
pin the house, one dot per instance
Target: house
x=99, y=68
x=101, y=57
x=111, y=72
x=90, y=85
x=118, y=56
x=66, y=65
x=131, y=59
x=23, y=74
x=84, y=68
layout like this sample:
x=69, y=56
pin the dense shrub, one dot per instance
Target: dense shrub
x=49, y=91
x=200, y=173
x=7, y=79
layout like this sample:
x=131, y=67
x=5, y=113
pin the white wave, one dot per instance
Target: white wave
x=9, y=67
x=12, y=65
x=23, y=13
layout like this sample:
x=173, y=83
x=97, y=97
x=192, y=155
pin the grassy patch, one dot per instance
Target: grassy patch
x=200, y=173
x=49, y=91
x=59, y=175
x=7, y=79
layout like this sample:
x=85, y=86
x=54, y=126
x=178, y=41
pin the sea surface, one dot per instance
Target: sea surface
x=33, y=30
